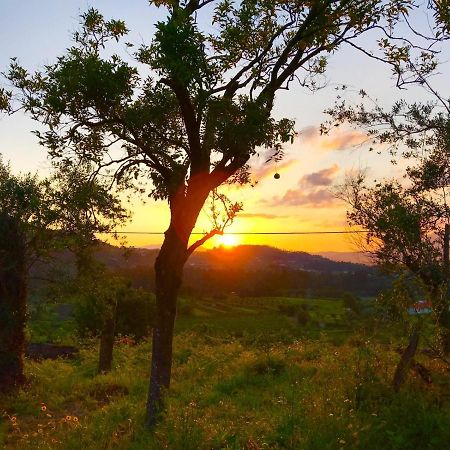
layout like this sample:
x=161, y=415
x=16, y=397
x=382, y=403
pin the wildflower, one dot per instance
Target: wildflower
x=75, y=418
x=68, y=418
x=43, y=408
x=13, y=419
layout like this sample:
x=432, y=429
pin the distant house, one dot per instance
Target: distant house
x=421, y=307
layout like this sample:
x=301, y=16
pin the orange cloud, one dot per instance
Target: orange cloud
x=324, y=177
x=318, y=198
x=339, y=139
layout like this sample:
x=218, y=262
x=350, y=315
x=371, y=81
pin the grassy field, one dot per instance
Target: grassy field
x=246, y=376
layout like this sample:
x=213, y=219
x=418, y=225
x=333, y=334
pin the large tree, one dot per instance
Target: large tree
x=204, y=110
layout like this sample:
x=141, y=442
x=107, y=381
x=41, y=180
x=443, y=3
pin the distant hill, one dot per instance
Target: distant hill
x=263, y=257
x=353, y=257
x=248, y=257
x=242, y=256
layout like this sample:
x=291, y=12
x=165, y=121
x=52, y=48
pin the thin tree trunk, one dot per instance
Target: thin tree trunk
x=444, y=324
x=13, y=293
x=444, y=314
x=107, y=339
x=407, y=357
x=168, y=276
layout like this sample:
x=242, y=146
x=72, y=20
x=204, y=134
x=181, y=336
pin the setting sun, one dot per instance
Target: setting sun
x=228, y=240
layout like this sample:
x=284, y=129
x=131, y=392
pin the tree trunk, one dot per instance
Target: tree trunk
x=107, y=339
x=407, y=357
x=13, y=293
x=185, y=206
x=444, y=324
x=444, y=314
x=168, y=276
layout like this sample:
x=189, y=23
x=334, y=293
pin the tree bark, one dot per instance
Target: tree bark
x=107, y=339
x=407, y=357
x=13, y=294
x=168, y=276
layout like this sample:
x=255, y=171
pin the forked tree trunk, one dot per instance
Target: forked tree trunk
x=107, y=339
x=406, y=359
x=13, y=293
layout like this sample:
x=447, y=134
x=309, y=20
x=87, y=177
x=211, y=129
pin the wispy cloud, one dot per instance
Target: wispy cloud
x=260, y=216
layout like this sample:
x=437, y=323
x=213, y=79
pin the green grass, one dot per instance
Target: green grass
x=247, y=377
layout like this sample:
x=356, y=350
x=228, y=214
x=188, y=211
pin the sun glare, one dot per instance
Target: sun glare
x=228, y=240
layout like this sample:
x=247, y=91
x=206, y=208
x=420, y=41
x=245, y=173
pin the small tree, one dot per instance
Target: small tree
x=408, y=223
x=85, y=207
x=204, y=111
x=404, y=234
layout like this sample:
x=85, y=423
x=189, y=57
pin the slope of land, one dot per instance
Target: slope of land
x=246, y=376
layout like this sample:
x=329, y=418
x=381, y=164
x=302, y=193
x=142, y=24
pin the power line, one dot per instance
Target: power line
x=248, y=233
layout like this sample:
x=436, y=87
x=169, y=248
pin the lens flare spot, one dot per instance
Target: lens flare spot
x=228, y=240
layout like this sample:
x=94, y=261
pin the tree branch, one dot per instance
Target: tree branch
x=202, y=240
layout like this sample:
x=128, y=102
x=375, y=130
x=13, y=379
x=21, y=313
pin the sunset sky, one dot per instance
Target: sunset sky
x=37, y=31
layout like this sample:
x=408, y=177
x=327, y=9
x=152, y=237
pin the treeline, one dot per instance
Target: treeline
x=273, y=281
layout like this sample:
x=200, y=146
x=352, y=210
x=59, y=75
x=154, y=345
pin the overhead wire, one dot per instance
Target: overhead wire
x=249, y=232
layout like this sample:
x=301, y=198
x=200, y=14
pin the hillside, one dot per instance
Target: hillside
x=246, y=270
x=247, y=375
